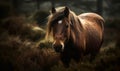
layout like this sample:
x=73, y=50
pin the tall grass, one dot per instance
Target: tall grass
x=22, y=48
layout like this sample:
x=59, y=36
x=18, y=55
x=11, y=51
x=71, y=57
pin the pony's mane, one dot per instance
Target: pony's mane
x=75, y=25
x=76, y=28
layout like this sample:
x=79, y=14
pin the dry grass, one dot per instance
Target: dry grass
x=22, y=48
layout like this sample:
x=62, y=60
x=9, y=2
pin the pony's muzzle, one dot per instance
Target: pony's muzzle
x=58, y=46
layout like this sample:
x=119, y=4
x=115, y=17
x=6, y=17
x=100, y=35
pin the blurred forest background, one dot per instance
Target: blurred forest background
x=22, y=32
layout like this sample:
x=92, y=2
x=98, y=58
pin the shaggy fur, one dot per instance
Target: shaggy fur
x=84, y=34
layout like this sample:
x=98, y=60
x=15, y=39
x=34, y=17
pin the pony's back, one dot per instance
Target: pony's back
x=93, y=30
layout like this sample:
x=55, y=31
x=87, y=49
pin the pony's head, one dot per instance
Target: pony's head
x=63, y=24
x=59, y=27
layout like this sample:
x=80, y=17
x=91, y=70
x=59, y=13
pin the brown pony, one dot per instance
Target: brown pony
x=75, y=36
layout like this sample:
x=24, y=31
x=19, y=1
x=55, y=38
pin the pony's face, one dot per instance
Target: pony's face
x=60, y=27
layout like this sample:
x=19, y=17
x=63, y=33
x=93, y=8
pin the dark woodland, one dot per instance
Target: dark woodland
x=23, y=46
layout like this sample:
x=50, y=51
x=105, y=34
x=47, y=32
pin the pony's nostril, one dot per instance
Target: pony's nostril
x=60, y=47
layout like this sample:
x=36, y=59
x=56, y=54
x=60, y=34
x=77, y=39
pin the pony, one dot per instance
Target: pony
x=75, y=36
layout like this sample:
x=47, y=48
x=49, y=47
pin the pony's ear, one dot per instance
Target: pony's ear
x=53, y=10
x=66, y=11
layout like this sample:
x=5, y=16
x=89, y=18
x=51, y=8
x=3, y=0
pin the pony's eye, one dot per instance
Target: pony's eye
x=60, y=21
